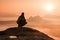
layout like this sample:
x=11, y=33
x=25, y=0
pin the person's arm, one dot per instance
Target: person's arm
x=18, y=20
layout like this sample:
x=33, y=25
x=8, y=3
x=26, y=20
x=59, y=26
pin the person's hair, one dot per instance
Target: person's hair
x=22, y=13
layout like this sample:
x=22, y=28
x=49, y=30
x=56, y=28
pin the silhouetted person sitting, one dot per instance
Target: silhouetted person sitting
x=21, y=21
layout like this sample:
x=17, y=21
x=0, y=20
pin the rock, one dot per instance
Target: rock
x=25, y=34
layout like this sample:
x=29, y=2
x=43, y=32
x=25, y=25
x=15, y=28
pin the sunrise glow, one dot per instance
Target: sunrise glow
x=49, y=7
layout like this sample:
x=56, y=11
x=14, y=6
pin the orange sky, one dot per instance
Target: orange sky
x=12, y=8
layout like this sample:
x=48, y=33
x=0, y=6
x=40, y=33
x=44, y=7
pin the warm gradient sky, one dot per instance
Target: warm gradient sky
x=48, y=9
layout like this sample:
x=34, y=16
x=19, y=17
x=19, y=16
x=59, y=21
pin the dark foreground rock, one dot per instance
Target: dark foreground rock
x=26, y=34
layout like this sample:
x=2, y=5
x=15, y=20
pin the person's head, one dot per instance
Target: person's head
x=22, y=13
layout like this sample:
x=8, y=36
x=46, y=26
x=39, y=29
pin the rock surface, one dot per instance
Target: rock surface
x=25, y=34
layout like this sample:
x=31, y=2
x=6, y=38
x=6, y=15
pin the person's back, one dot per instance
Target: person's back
x=21, y=21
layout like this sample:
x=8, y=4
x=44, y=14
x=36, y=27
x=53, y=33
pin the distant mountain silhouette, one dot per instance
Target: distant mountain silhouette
x=34, y=19
x=37, y=21
x=26, y=34
x=7, y=22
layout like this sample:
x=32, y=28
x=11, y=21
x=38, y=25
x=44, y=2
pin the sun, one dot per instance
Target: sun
x=49, y=7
